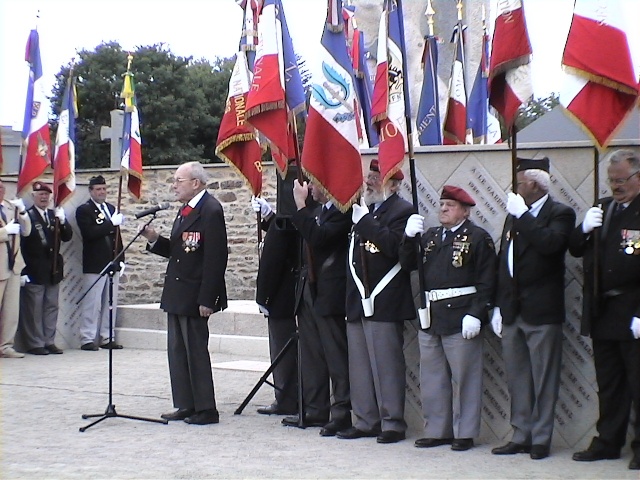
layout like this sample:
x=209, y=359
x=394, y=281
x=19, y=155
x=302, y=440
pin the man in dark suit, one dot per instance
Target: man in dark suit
x=39, y=296
x=321, y=311
x=612, y=316
x=375, y=281
x=194, y=288
x=459, y=276
x=99, y=225
x=530, y=309
x=275, y=295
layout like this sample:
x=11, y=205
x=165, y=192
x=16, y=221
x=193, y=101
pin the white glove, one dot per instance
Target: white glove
x=59, y=212
x=122, y=267
x=359, y=211
x=516, y=205
x=415, y=225
x=470, y=327
x=592, y=219
x=24, y=279
x=19, y=204
x=635, y=327
x=496, y=322
x=259, y=204
x=12, y=228
x=264, y=310
x=117, y=219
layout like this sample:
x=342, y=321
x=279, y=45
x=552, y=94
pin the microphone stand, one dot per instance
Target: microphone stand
x=110, y=269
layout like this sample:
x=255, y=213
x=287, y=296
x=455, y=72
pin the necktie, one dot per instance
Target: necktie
x=447, y=234
x=46, y=219
x=4, y=217
x=10, y=258
x=185, y=210
x=619, y=208
x=105, y=210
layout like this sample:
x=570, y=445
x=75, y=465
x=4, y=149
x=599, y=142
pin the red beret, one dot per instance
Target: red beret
x=374, y=166
x=449, y=192
x=41, y=187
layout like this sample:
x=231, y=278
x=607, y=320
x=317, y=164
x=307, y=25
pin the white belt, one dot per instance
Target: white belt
x=444, y=293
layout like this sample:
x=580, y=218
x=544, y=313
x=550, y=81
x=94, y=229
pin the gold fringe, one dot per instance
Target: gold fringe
x=264, y=107
x=343, y=207
x=510, y=65
x=379, y=117
x=239, y=137
x=228, y=161
x=601, y=147
x=620, y=87
x=393, y=171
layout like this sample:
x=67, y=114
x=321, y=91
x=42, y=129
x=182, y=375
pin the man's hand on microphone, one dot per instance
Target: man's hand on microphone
x=148, y=232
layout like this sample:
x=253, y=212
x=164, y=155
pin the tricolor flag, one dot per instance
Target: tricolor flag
x=64, y=165
x=249, y=37
x=428, y=119
x=455, y=121
x=388, y=105
x=1, y=159
x=276, y=93
x=600, y=87
x=237, y=142
x=510, y=69
x=131, y=140
x=36, y=154
x=331, y=155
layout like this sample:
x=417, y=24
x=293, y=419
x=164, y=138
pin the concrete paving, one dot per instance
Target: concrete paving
x=42, y=400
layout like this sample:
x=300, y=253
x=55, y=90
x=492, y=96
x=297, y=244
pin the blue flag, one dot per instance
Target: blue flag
x=294, y=91
x=478, y=107
x=428, y=119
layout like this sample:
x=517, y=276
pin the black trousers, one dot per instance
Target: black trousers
x=285, y=375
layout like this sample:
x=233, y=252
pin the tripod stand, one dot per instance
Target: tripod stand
x=110, y=411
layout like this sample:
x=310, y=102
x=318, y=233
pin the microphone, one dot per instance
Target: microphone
x=152, y=211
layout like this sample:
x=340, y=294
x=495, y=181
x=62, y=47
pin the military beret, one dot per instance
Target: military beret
x=533, y=164
x=41, y=187
x=97, y=180
x=449, y=192
x=374, y=166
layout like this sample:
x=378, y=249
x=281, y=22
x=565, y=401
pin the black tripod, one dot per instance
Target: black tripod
x=110, y=412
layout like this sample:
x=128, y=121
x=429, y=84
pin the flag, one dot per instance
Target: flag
x=237, y=142
x=331, y=155
x=600, y=86
x=455, y=121
x=510, y=82
x=276, y=93
x=485, y=128
x=36, y=155
x=388, y=104
x=249, y=37
x=428, y=119
x=64, y=165
x=131, y=140
x=1, y=159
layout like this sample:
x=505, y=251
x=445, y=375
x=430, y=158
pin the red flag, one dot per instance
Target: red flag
x=455, y=122
x=510, y=70
x=237, y=141
x=131, y=158
x=64, y=177
x=600, y=86
x=388, y=104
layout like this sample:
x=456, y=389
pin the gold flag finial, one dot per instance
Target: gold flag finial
x=430, y=12
x=459, y=7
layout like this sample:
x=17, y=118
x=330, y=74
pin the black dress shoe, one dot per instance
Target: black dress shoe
x=593, y=455
x=538, y=452
x=273, y=409
x=335, y=426
x=353, y=433
x=432, y=442
x=54, y=349
x=38, y=351
x=390, y=436
x=205, y=417
x=461, y=444
x=179, y=414
x=111, y=346
x=309, y=421
x=89, y=347
x=634, y=464
x=511, y=448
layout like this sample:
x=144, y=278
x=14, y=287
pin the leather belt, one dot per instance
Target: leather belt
x=445, y=293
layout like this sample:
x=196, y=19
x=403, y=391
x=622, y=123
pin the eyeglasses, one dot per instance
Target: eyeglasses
x=180, y=180
x=620, y=181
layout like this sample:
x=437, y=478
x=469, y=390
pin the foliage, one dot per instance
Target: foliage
x=535, y=109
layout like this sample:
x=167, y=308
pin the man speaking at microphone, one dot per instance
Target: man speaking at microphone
x=194, y=288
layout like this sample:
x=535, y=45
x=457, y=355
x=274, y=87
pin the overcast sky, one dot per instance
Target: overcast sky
x=208, y=29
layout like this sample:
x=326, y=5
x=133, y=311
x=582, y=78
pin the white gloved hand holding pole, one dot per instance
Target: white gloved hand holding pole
x=259, y=204
x=12, y=228
x=470, y=327
x=19, y=204
x=359, y=211
x=516, y=205
x=60, y=215
x=635, y=327
x=415, y=225
x=496, y=322
x=592, y=219
x=117, y=219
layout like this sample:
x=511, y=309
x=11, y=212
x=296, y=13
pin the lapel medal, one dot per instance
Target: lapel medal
x=190, y=241
x=371, y=247
x=460, y=248
x=630, y=241
x=100, y=219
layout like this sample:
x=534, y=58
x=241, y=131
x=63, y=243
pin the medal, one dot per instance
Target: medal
x=191, y=241
x=371, y=247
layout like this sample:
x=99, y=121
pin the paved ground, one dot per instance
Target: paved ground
x=42, y=400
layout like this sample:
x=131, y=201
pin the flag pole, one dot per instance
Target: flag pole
x=596, y=232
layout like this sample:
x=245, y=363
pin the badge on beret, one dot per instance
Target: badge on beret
x=191, y=241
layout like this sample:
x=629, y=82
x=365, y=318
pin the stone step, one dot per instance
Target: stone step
x=239, y=328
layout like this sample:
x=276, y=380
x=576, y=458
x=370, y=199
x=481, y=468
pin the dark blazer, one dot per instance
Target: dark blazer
x=278, y=268
x=384, y=230
x=618, y=300
x=476, y=268
x=37, y=249
x=197, y=253
x=327, y=235
x=98, y=237
x=539, y=263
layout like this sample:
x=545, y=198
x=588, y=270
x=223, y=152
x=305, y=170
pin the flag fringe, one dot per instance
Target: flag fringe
x=229, y=162
x=379, y=117
x=620, y=87
x=340, y=206
x=264, y=107
x=393, y=171
x=601, y=147
x=238, y=137
x=510, y=65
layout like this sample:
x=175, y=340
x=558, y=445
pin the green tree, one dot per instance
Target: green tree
x=535, y=109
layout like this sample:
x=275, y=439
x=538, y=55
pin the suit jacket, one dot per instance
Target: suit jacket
x=38, y=248
x=383, y=230
x=606, y=316
x=278, y=268
x=6, y=242
x=326, y=232
x=197, y=253
x=539, y=263
x=467, y=258
x=98, y=237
